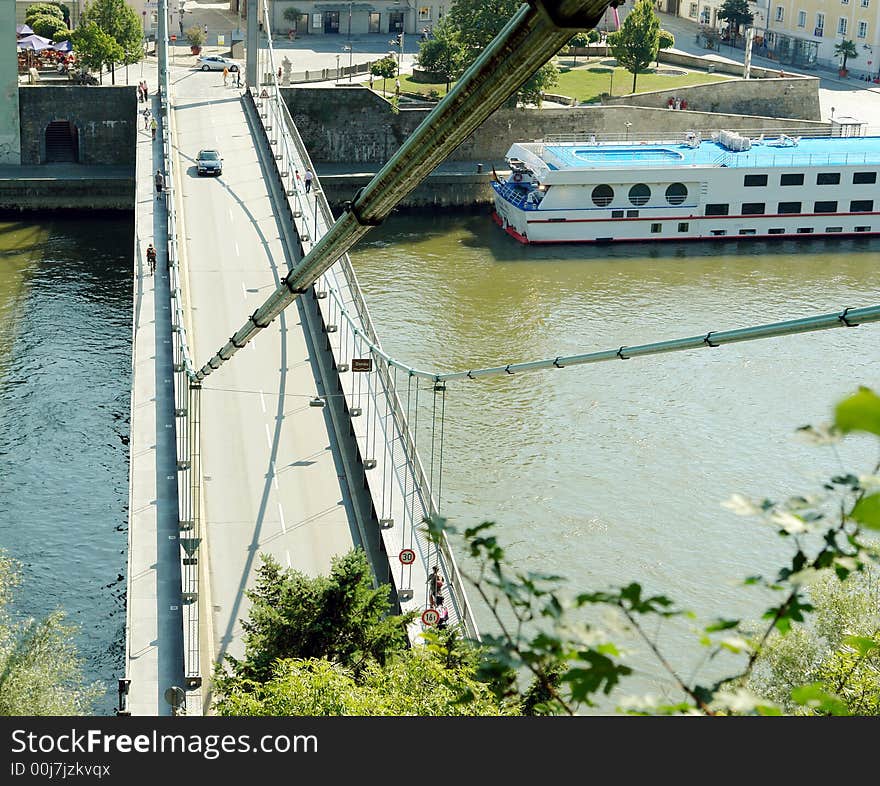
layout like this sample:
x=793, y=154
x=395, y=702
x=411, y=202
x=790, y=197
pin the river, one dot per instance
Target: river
x=65, y=378
x=603, y=474
x=615, y=472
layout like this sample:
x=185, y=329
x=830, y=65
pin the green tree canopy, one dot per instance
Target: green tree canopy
x=477, y=23
x=635, y=45
x=95, y=49
x=846, y=50
x=737, y=13
x=49, y=27
x=665, y=40
x=443, y=54
x=43, y=9
x=341, y=617
x=40, y=669
x=386, y=68
x=121, y=23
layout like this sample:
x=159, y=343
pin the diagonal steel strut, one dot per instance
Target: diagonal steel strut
x=533, y=35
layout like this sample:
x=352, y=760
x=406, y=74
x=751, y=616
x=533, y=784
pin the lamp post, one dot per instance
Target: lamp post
x=611, y=86
x=337, y=68
x=347, y=48
x=627, y=124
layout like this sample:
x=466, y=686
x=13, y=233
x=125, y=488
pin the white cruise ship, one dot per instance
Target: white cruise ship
x=727, y=186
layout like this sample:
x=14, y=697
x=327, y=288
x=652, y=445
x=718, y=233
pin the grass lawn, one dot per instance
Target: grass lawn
x=586, y=82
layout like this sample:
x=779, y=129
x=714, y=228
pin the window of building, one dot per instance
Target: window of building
x=865, y=3
x=831, y=230
x=864, y=178
x=424, y=13
x=616, y=214
x=639, y=194
x=717, y=209
x=820, y=25
x=844, y=2
x=656, y=228
x=863, y=30
x=752, y=209
x=718, y=232
x=825, y=207
x=863, y=229
x=792, y=179
x=841, y=26
x=632, y=213
x=683, y=227
x=704, y=15
x=780, y=14
x=676, y=193
x=755, y=180
x=603, y=195
x=789, y=207
x=827, y=178
x=692, y=11
x=776, y=231
x=805, y=230
x=747, y=231
x=802, y=19
x=861, y=206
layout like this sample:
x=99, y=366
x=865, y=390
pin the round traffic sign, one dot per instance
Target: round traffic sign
x=407, y=556
x=174, y=38
x=430, y=616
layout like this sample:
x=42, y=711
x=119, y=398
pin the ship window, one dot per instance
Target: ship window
x=639, y=194
x=632, y=213
x=655, y=228
x=864, y=177
x=825, y=207
x=776, y=231
x=747, y=231
x=616, y=214
x=683, y=227
x=805, y=230
x=717, y=209
x=603, y=196
x=676, y=193
x=827, y=178
x=792, y=179
x=753, y=208
x=789, y=207
x=755, y=180
x=719, y=232
x=834, y=229
x=861, y=206
x=863, y=229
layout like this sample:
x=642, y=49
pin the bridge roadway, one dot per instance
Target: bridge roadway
x=273, y=477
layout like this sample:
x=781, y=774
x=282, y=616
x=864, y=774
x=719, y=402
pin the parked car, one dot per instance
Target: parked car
x=217, y=63
x=209, y=162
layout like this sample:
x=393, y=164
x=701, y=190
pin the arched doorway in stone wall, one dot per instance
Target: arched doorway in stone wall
x=62, y=143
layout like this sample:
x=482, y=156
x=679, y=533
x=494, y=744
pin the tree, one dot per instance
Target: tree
x=665, y=40
x=443, y=54
x=40, y=669
x=341, y=617
x=477, y=23
x=291, y=15
x=95, y=48
x=49, y=27
x=846, y=49
x=737, y=14
x=122, y=24
x=386, y=68
x=195, y=36
x=414, y=682
x=43, y=9
x=572, y=665
x=635, y=45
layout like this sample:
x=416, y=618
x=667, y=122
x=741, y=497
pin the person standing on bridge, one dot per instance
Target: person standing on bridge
x=160, y=182
x=151, y=258
x=225, y=75
x=309, y=177
x=154, y=126
x=435, y=586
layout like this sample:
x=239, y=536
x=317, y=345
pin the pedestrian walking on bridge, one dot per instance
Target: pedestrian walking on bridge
x=160, y=182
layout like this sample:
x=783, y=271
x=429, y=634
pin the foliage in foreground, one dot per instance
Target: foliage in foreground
x=573, y=665
x=40, y=670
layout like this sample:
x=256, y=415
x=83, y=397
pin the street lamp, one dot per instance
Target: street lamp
x=337, y=68
x=627, y=124
x=347, y=48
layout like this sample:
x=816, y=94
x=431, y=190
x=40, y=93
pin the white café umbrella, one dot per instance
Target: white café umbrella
x=23, y=30
x=35, y=42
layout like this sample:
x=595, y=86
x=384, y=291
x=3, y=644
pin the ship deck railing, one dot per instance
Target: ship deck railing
x=516, y=195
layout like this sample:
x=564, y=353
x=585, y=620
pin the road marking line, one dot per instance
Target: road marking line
x=236, y=250
x=243, y=290
x=288, y=559
x=263, y=401
x=268, y=436
x=230, y=213
x=281, y=516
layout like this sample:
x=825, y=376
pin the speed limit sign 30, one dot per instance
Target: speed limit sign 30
x=407, y=556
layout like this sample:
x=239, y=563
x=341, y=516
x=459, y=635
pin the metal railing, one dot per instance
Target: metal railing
x=312, y=217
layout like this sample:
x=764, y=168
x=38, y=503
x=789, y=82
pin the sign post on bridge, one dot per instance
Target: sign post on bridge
x=407, y=556
x=362, y=364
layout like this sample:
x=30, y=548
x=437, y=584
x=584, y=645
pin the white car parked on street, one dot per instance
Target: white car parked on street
x=217, y=63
